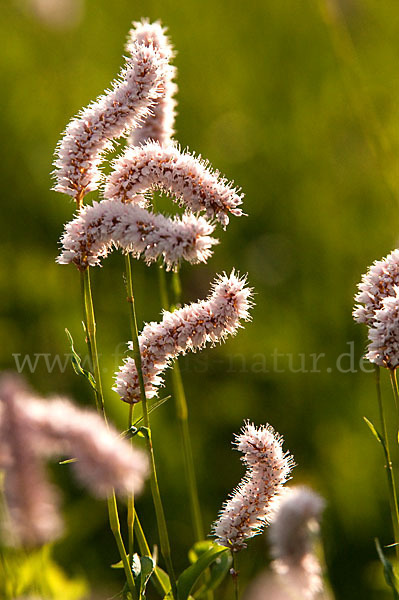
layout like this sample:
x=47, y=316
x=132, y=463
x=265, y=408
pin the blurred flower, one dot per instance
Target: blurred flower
x=290, y=535
x=32, y=430
x=188, y=179
x=251, y=505
x=90, y=134
x=109, y=224
x=159, y=125
x=55, y=14
x=187, y=328
x=384, y=334
x=31, y=515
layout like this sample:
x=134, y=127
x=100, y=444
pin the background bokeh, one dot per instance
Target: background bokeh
x=295, y=101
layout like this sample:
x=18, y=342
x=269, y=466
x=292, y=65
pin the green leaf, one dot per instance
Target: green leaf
x=77, y=363
x=118, y=565
x=374, y=431
x=218, y=571
x=67, y=461
x=198, y=549
x=388, y=570
x=142, y=569
x=161, y=580
x=190, y=576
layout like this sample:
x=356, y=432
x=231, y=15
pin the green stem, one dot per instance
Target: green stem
x=91, y=339
x=90, y=323
x=159, y=512
x=393, y=500
x=235, y=575
x=145, y=551
x=182, y=413
x=116, y=530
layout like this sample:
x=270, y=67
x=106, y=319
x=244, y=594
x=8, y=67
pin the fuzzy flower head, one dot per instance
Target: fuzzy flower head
x=159, y=124
x=251, y=505
x=291, y=535
x=90, y=134
x=186, y=329
x=109, y=224
x=378, y=283
x=186, y=178
x=33, y=430
x=383, y=349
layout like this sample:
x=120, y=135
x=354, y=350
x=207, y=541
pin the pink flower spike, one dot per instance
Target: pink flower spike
x=90, y=134
x=109, y=224
x=186, y=178
x=186, y=329
x=159, y=125
x=252, y=504
x=378, y=283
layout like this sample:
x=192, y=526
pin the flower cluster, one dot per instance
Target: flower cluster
x=253, y=502
x=188, y=179
x=32, y=429
x=112, y=115
x=187, y=328
x=378, y=299
x=159, y=124
x=109, y=224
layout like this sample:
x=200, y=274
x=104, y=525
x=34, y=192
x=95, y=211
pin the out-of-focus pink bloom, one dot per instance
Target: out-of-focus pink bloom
x=31, y=430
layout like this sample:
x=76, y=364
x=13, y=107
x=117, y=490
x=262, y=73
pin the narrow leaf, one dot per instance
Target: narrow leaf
x=190, y=576
x=77, y=363
x=374, y=431
x=388, y=570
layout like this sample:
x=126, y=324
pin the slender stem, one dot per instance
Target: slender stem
x=234, y=574
x=182, y=413
x=145, y=551
x=159, y=511
x=393, y=500
x=90, y=323
x=116, y=530
x=394, y=383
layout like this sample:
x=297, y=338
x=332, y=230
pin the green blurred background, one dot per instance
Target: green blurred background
x=297, y=102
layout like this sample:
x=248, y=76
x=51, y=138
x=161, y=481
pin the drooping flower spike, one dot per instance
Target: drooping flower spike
x=186, y=178
x=31, y=430
x=252, y=504
x=98, y=229
x=159, y=124
x=186, y=329
x=90, y=134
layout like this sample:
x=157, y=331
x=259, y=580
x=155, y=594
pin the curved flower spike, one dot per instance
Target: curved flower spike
x=188, y=328
x=252, y=504
x=186, y=178
x=159, y=125
x=109, y=224
x=90, y=134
